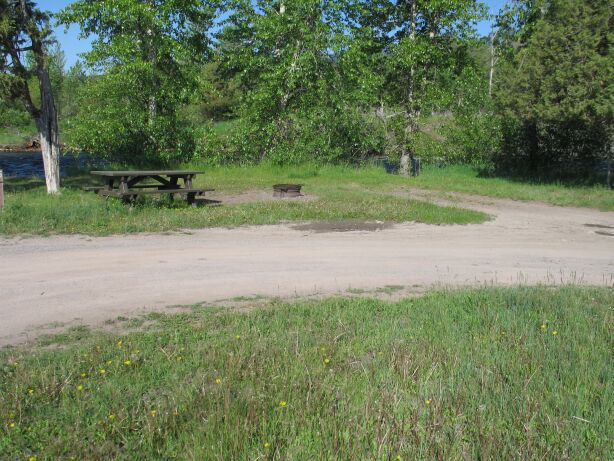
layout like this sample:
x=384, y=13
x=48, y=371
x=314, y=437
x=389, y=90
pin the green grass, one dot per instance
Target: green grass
x=474, y=374
x=340, y=190
x=344, y=193
x=14, y=137
x=466, y=179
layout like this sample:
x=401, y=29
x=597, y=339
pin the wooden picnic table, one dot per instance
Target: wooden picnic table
x=128, y=185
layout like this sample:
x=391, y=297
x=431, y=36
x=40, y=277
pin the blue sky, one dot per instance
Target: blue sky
x=73, y=45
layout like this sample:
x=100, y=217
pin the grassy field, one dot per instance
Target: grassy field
x=522, y=373
x=344, y=193
x=467, y=179
x=340, y=190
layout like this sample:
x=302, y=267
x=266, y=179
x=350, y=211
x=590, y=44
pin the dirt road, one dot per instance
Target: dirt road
x=84, y=279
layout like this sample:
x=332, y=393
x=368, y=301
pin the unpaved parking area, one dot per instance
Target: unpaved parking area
x=70, y=279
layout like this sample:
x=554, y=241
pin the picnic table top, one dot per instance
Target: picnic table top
x=146, y=173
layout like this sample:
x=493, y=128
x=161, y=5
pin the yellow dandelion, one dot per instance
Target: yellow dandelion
x=12, y=425
x=30, y=391
x=153, y=413
x=427, y=401
x=32, y=458
x=267, y=445
x=238, y=337
x=102, y=371
x=80, y=387
x=544, y=327
x=111, y=417
x=127, y=362
x=554, y=333
x=398, y=458
x=109, y=362
x=218, y=380
x=326, y=361
x=120, y=344
x=283, y=403
x=84, y=375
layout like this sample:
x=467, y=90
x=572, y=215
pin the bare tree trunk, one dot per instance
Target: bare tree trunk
x=493, y=61
x=152, y=56
x=47, y=125
x=404, y=168
x=47, y=121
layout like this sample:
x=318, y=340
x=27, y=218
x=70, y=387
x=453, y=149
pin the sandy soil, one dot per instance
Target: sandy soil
x=78, y=279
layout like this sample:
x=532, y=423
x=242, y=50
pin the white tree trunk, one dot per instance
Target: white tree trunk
x=493, y=62
x=47, y=124
x=50, y=148
x=404, y=168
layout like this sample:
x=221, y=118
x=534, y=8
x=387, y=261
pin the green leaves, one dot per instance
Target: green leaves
x=555, y=87
x=148, y=55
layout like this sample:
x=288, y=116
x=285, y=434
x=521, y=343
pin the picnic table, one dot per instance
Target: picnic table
x=128, y=185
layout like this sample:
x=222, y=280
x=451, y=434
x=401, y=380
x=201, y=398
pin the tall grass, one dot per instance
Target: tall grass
x=522, y=373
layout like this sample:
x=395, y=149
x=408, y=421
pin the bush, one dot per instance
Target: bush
x=321, y=135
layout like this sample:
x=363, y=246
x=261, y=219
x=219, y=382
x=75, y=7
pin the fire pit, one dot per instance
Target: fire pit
x=287, y=190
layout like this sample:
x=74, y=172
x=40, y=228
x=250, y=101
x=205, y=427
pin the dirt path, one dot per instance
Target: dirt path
x=81, y=279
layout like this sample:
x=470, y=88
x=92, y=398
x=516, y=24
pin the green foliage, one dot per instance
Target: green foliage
x=419, y=52
x=144, y=53
x=284, y=59
x=518, y=373
x=556, y=89
x=108, y=124
x=25, y=29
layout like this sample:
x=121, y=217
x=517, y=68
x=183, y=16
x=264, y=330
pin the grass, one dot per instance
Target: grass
x=13, y=137
x=466, y=179
x=521, y=373
x=340, y=190
x=344, y=193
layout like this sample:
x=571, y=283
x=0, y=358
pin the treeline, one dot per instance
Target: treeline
x=336, y=81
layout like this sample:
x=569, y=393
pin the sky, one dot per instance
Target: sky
x=73, y=45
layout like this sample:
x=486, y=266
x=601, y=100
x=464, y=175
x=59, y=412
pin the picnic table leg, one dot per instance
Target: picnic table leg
x=187, y=184
x=109, y=185
x=123, y=190
x=187, y=181
x=123, y=185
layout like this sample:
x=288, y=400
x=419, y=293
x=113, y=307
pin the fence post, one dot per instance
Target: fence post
x=1, y=191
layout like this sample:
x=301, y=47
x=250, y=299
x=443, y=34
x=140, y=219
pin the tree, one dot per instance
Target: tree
x=145, y=59
x=24, y=28
x=556, y=86
x=285, y=57
x=423, y=49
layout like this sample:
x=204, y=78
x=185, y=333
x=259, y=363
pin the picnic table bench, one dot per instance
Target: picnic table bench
x=128, y=185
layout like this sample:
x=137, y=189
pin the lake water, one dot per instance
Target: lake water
x=30, y=164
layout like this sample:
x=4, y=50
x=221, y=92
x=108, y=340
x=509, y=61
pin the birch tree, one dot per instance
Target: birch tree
x=24, y=28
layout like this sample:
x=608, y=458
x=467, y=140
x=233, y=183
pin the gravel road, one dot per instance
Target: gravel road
x=80, y=279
